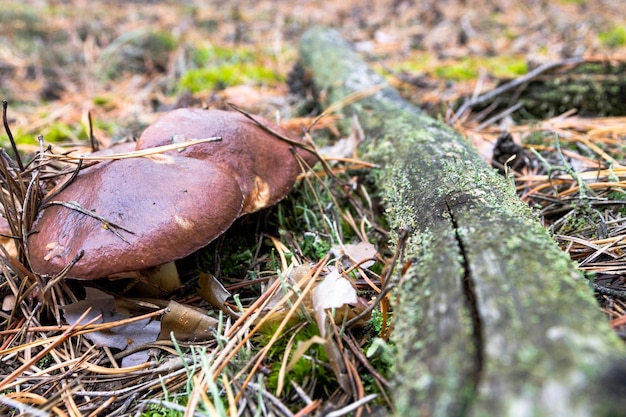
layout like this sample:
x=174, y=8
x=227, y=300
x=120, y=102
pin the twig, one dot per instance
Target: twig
x=306, y=147
x=349, y=408
x=277, y=403
x=139, y=153
x=18, y=158
x=64, y=185
x=95, y=146
x=58, y=277
x=310, y=147
x=7, y=380
x=29, y=212
x=514, y=84
x=619, y=294
x=23, y=408
x=73, y=205
x=358, y=353
x=500, y=116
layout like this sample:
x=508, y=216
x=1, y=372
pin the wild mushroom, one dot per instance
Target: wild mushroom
x=264, y=165
x=131, y=214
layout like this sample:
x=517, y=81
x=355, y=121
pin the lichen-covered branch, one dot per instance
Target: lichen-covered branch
x=492, y=318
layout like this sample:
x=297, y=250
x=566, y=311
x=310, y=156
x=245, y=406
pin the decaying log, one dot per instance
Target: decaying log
x=492, y=319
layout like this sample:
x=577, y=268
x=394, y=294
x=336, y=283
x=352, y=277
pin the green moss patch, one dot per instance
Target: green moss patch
x=224, y=75
x=467, y=68
x=614, y=37
x=219, y=67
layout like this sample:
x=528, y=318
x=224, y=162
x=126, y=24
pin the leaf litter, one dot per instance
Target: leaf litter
x=267, y=312
x=177, y=330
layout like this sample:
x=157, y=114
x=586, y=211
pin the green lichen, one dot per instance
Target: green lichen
x=486, y=284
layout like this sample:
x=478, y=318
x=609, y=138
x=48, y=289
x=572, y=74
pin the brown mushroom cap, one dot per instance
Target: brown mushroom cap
x=263, y=164
x=173, y=206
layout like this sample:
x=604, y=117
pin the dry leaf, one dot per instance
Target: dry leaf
x=337, y=362
x=293, y=275
x=213, y=292
x=345, y=147
x=119, y=337
x=8, y=302
x=334, y=291
x=162, y=278
x=302, y=347
x=186, y=323
x=359, y=253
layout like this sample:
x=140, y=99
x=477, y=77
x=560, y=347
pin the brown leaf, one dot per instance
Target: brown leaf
x=213, y=292
x=186, y=323
x=360, y=253
x=119, y=337
x=334, y=291
x=292, y=276
x=345, y=147
x=162, y=278
x=337, y=362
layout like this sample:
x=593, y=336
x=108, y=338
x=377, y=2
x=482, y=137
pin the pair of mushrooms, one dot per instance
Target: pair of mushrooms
x=128, y=215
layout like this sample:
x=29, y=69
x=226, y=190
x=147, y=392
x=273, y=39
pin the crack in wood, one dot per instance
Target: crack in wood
x=472, y=305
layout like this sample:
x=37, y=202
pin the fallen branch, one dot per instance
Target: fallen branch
x=491, y=317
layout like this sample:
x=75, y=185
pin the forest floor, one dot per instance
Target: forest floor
x=121, y=63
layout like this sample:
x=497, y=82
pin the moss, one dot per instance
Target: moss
x=487, y=283
x=219, y=67
x=422, y=62
x=614, y=37
x=464, y=70
x=507, y=67
x=101, y=101
x=106, y=103
x=467, y=68
x=208, y=55
x=313, y=364
x=313, y=247
x=23, y=21
x=224, y=75
x=158, y=43
x=54, y=132
x=59, y=132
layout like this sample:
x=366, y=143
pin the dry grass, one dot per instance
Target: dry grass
x=56, y=69
x=57, y=368
x=571, y=171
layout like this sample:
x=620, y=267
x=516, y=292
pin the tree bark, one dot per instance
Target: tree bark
x=492, y=319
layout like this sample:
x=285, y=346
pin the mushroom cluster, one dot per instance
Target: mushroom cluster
x=127, y=215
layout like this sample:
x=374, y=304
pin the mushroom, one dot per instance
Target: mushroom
x=131, y=214
x=264, y=165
